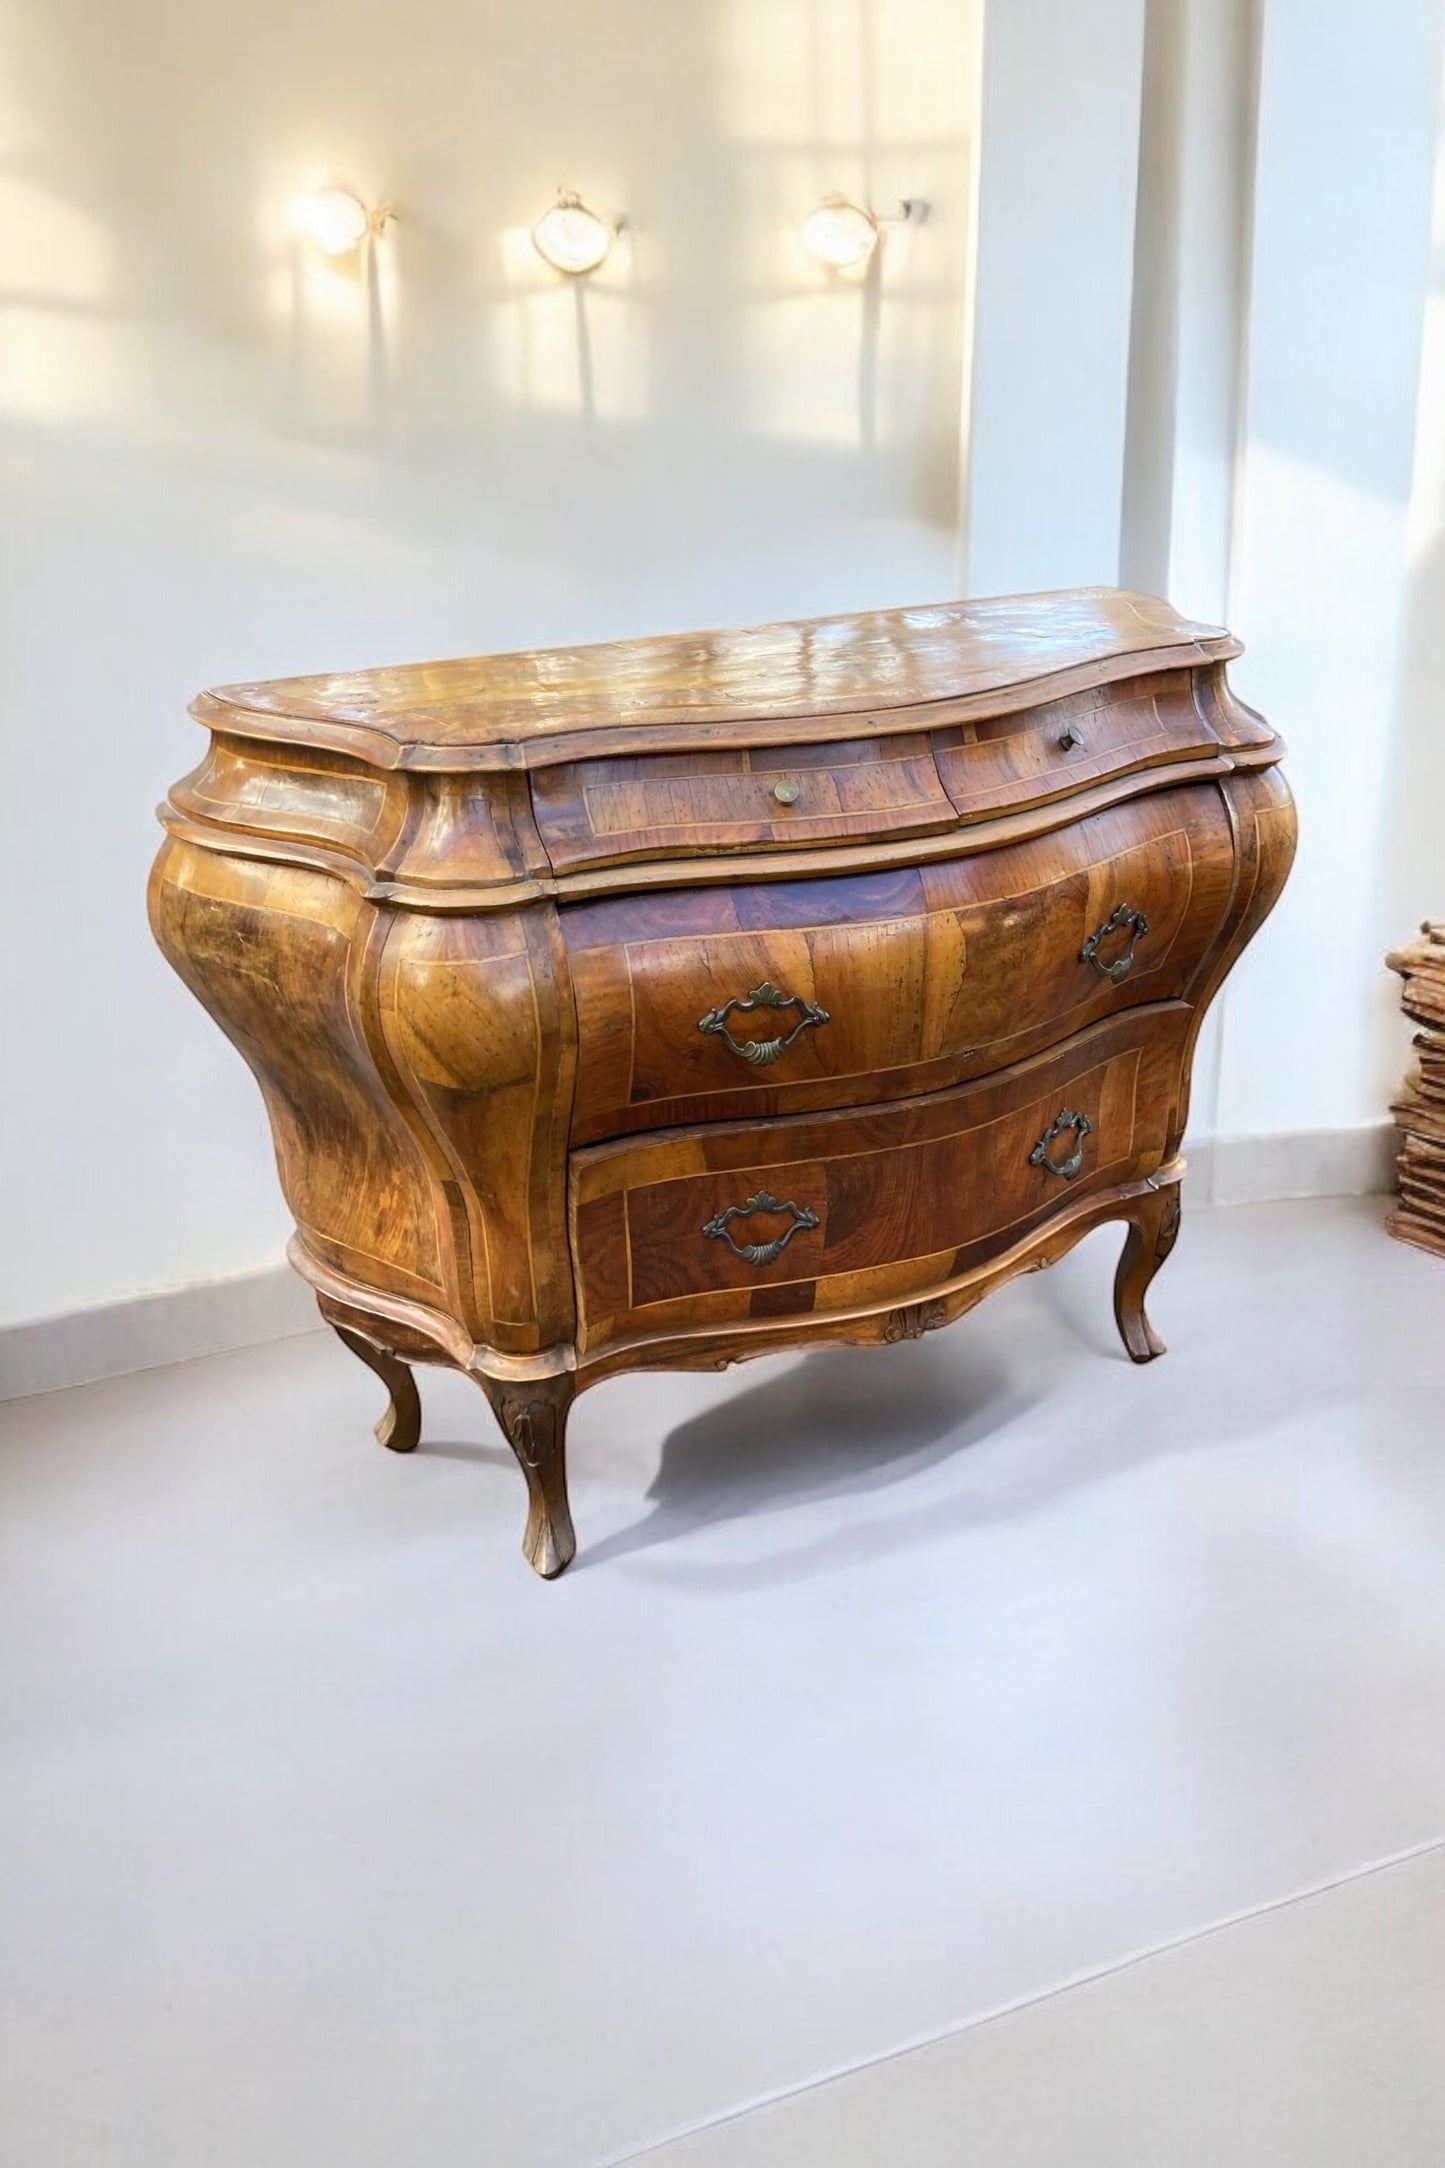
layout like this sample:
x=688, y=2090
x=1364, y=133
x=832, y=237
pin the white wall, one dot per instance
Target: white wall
x=1280, y=291
x=1055, y=250
x=1414, y=855
x=1348, y=107
x=1190, y=301
x=1189, y=310
x=223, y=460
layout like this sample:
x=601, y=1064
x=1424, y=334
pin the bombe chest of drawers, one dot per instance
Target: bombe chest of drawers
x=670, y=1002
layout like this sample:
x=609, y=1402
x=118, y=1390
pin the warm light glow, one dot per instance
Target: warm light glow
x=840, y=234
x=570, y=237
x=333, y=218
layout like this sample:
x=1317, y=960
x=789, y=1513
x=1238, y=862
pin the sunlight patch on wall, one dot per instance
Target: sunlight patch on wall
x=49, y=249
x=59, y=350
x=837, y=75
x=58, y=368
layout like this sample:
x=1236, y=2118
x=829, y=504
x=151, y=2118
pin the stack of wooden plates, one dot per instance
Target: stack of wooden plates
x=1420, y=1110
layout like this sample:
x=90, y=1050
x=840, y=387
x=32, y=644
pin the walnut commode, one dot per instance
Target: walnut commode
x=665, y=1003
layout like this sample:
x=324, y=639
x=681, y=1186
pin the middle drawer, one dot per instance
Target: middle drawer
x=780, y=997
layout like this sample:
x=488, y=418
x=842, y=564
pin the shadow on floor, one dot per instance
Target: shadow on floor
x=847, y=1422
x=843, y=1421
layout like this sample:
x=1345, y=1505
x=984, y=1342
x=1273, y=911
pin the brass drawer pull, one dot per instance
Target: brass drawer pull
x=1069, y=738
x=786, y=791
x=762, y=1052
x=1123, y=916
x=1066, y=1169
x=759, y=1253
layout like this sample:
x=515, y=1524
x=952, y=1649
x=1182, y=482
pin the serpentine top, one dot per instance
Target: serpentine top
x=539, y=705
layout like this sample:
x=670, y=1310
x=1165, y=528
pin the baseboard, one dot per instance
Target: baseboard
x=79, y=1347
x=1357, y=1162
x=82, y=1346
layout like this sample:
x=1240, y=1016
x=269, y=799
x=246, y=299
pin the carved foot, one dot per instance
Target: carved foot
x=400, y=1427
x=533, y=1415
x=1153, y=1225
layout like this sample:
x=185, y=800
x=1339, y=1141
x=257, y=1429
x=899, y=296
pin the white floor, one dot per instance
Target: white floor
x=1308, y=2034
x=890, y=1690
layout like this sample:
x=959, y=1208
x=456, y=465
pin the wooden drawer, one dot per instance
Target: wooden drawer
x=925, y=974
x=594, y=812
x=821, y=1213
x=1007, y=762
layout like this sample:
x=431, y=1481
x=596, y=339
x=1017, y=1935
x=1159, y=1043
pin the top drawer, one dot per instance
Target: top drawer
x=657, y=805
x=1007, y=762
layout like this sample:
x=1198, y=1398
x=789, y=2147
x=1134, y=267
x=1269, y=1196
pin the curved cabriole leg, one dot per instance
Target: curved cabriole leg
x=533, y=1415
x=1153, y=1225
x=400, y=1427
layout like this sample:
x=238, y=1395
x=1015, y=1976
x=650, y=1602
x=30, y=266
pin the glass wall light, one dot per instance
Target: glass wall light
x=573, y=238
x=843, y=234
x=336, y=220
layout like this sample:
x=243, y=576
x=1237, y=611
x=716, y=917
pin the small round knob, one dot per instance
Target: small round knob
x=785, y=791
x=1071, y=737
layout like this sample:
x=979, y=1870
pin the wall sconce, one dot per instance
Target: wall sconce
x=337, y=221
x=843, y=235
x=572, y=238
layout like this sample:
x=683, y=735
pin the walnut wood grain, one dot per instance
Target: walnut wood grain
x=399, y=1428
x=533, y=1416
x=464, y=921
x=899, y=1196
x=274, y=953
x=889, y=668
x=478, y=1021
x=1001, y=762
x=661, y=805
x=1153, y=1227
x=877, y=1323
x=455, y=890
x=927, y=975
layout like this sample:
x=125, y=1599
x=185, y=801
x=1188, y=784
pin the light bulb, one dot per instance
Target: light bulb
x=333, y=218
x=570, y=237
x=840, y=234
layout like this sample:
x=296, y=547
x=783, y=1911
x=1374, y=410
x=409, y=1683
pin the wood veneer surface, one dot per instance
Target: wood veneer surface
x=670, y=1001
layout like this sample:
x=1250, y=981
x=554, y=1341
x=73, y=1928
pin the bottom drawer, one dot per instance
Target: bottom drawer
x=819, y=1213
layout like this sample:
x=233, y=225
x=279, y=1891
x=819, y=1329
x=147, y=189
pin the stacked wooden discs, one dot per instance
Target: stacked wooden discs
x=1420, y=1110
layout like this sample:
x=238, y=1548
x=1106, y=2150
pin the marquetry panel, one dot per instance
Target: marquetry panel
x=1263, y=816
x=1003, y=762
x=306, y=797
x=886, y=1200
x=925, y=974
x=278, y=956
x=828, y=676
x=478, y=1021
x=466, y=831
x=592, y=812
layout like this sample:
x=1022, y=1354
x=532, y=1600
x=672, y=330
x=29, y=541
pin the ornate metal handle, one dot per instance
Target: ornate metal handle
x=761, y=1052
x=759, y=1253
x=1124, y=915
x=1065, y=1168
